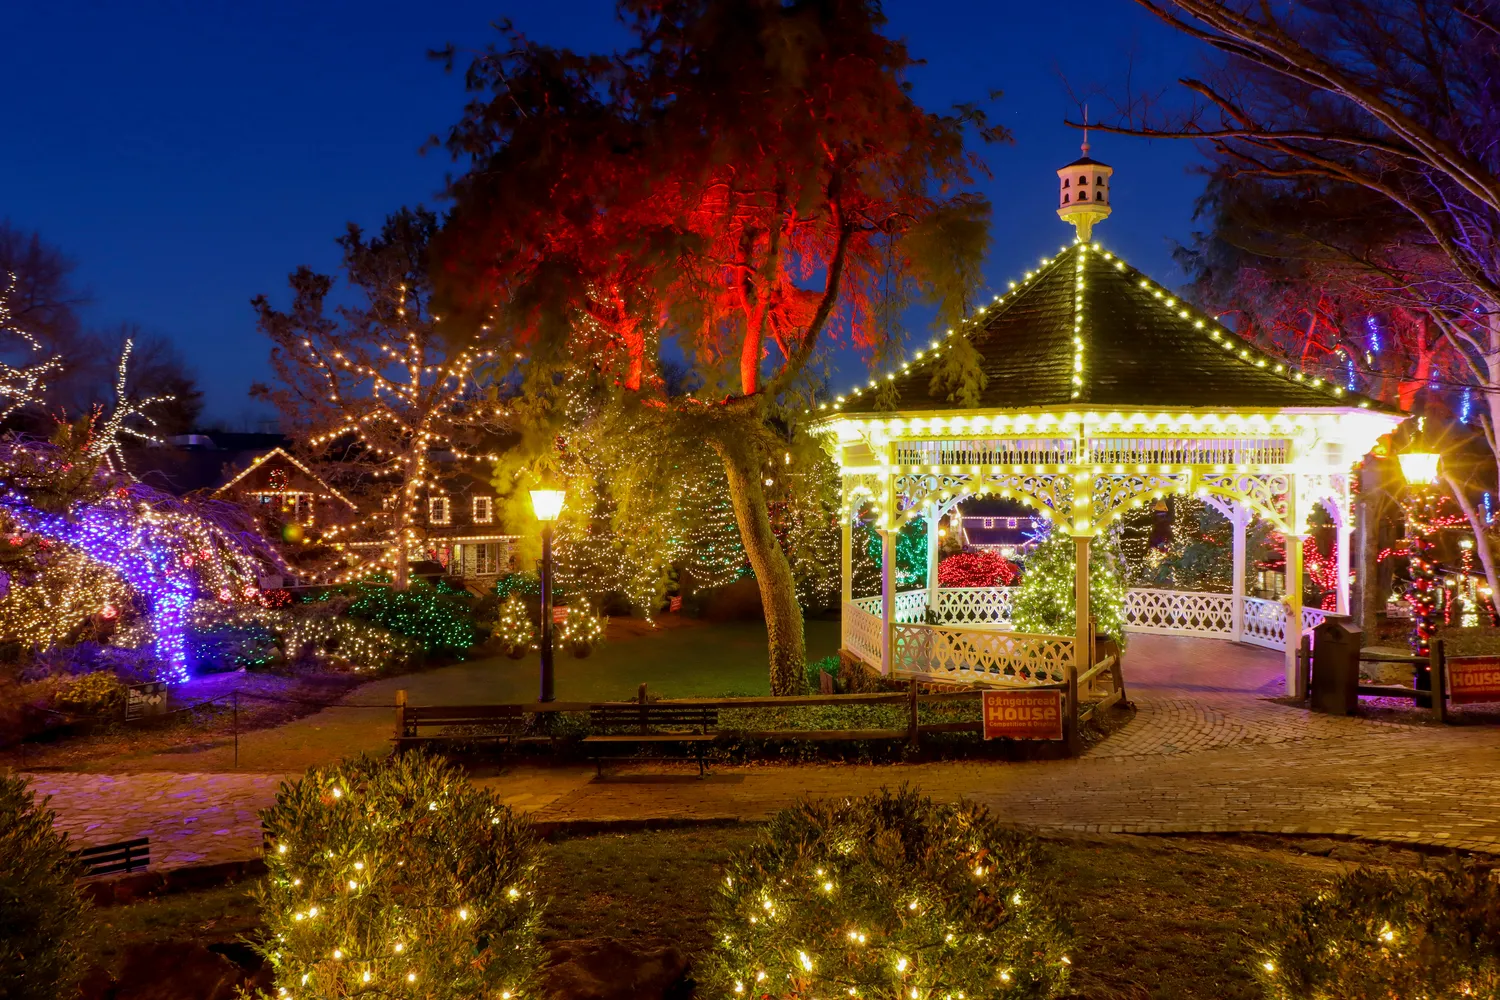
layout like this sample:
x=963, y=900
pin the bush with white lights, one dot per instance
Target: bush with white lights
x=398, y=878
x=889, y=895
x=1389, y=934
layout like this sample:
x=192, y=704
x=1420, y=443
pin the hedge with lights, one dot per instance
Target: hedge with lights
x=396, y=877
x=435, y=617
x=977, y=569
x=887, y=895
x=1378, y=933
x=45, y=924
x=1043, y=603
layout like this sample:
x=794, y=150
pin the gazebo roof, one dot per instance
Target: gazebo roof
x=1089, y=330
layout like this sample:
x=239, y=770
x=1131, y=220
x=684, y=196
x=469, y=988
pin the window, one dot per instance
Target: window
x=989, y=522
x=486, y=560
x=1083, y=180
x=1099, y=181
x=304, y=511
x=1010, y=522
x=437, y=510
x=1083, y=196
x=484, y=511
x=1098, y=195
x=1065, y=199
x=1065, y=183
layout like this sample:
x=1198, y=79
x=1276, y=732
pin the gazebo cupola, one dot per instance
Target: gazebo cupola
x=1103, y=392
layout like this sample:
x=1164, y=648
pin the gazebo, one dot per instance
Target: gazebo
x=1103, y=393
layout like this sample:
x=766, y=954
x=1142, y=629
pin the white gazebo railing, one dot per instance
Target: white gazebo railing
x=972, y=636
x=971, y=654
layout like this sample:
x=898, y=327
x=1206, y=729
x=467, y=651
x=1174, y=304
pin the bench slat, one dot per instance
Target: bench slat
x=653, y=738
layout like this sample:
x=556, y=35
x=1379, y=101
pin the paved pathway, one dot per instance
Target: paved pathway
x=1208, y=750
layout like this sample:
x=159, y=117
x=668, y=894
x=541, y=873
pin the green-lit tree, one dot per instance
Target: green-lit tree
x=1044, y=601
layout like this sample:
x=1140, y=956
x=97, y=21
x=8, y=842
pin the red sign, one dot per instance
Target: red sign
x=1023, y=715
x=674, y=604
x=1474, y=679
x=559, y=615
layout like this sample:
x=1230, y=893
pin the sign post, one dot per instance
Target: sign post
x=1023, y=715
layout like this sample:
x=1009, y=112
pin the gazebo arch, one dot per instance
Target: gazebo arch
x=1103, y=393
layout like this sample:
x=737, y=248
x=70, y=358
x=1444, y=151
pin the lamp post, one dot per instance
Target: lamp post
x=1419, y=467
x=547, y=504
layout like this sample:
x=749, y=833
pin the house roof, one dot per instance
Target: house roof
x=1089, y=330
x=260, y=460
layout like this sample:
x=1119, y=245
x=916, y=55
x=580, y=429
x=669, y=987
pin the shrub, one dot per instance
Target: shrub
x=1044, y=602
x=1389, y=934
x=45, y=923
x=884, y=896
x=581, y=628
x=98, y=693
x=439, y=619
x=817, y=668
x=977, y=569
x=513, y=628
x=518, y=583
x=396, y=877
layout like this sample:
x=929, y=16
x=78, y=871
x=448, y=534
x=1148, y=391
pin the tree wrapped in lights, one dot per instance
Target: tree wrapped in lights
x=1044, y=602
x=889, y=895
x=54, y=592
x=1384, y=933
x=380, y=383
x=396, y=877
x=513, y=629
x=22, y=385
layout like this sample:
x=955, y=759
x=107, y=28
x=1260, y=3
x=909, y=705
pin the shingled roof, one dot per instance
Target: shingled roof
x=1137, y=346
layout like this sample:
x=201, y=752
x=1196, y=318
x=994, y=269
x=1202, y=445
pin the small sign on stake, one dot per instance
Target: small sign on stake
x=145, y=699
x=1473, y=679
x=1023, y=715
x=559, y=615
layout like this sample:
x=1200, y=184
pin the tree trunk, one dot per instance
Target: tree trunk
x=736, y=447
x=400, y=571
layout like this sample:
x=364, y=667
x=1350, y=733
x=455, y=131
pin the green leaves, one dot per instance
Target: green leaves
x=398, y=878
x=45, y=924
x=887, y=895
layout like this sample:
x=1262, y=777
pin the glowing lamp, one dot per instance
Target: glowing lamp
x=547, y=504
x=1419, y=467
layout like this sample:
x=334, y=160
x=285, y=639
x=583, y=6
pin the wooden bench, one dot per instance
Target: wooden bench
x=647, y=723
x=506, y=722
x=111, y=859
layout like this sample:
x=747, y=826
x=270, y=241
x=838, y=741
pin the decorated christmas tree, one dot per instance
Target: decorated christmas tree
x=513, y=628
x=1044, y=601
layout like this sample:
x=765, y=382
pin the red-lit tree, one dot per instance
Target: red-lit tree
x=748, y=183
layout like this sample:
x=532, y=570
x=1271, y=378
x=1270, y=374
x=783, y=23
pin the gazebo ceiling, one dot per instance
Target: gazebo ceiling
x=1087, y=330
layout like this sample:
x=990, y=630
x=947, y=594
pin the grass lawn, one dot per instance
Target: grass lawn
x=1159, y=918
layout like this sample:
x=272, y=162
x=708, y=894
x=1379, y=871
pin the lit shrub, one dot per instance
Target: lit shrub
x=398, y=878
x=581, y=630
x=45, y=924
x=438, y=618
x=512, y=628
x=977, y=569
x=1389, y=934
x=888, y=895
x=99, y=693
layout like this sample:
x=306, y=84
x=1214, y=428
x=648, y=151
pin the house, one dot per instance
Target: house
x=283, y=489
x=986, y=525
x=460, y=522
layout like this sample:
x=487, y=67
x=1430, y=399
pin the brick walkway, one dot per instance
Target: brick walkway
x=1207, y=751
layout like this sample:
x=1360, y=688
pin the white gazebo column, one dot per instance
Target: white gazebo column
x=1239, y=517
x=932, y=556
x=1081, y=656
x=1342, y=543
x=846, y=573
x=1292, y=601
x=887, y=598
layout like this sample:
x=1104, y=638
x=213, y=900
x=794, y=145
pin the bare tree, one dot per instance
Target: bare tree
x=1388, y=103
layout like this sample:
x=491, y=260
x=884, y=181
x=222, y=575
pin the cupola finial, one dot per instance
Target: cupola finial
x=1084, y=194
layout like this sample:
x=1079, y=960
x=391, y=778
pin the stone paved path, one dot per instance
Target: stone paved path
x=1208, y=750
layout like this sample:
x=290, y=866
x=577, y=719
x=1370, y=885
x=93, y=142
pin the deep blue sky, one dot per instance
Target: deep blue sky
x=190, y=154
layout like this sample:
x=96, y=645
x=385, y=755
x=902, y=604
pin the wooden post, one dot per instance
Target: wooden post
x=640, y=694
x=400, y=720
x=1437, y=672
x=911, y=727
x=1304, y=669
x=846, y=573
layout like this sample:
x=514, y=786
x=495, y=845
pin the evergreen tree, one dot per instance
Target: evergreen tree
x=1044, y=602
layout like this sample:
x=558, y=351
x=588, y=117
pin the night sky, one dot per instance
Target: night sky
x=189, y=155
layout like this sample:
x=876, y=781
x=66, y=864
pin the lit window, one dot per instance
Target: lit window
x=484, y=511
x=437, y=510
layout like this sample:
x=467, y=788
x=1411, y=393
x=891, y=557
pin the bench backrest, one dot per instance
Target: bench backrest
x=647, y=717
x=447, y=715
x=108, y=859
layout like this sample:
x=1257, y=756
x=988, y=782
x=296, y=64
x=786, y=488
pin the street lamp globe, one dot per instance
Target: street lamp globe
x=1419, y=467
x=547, y=504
